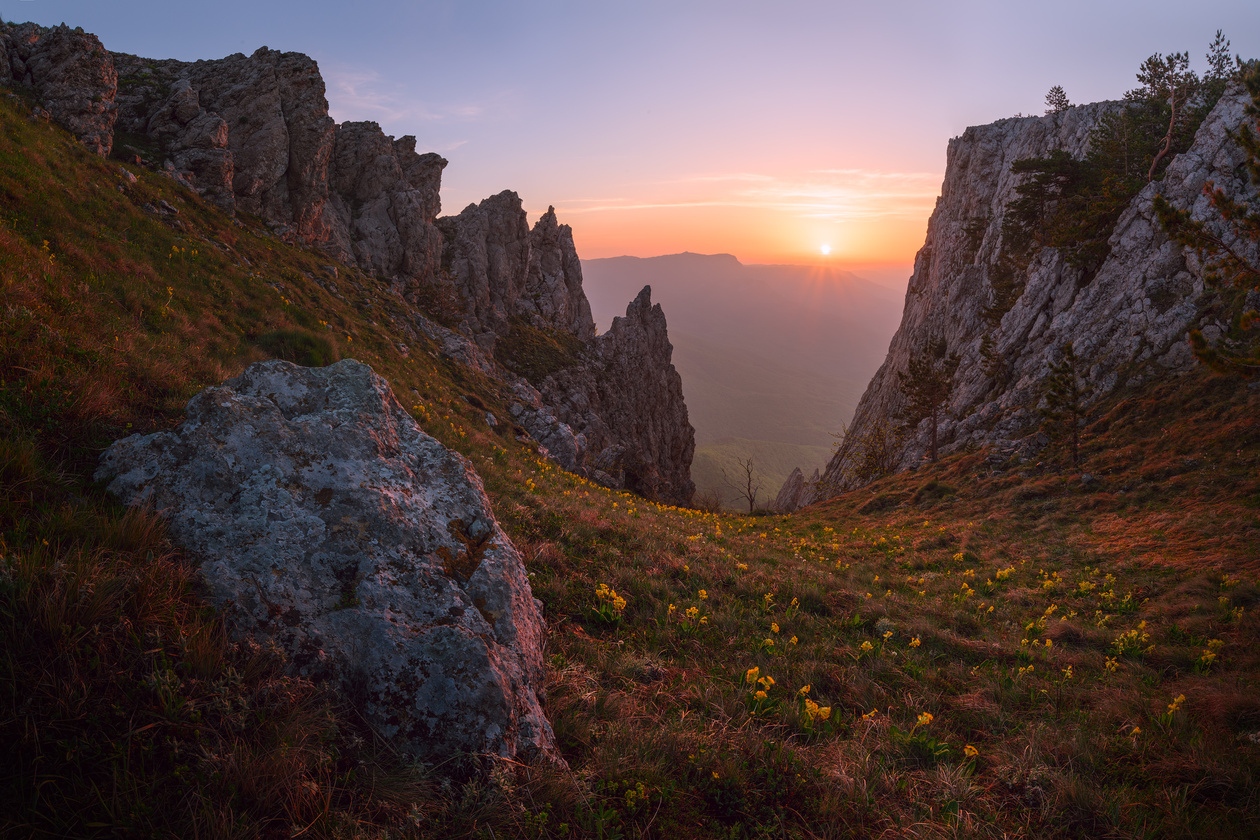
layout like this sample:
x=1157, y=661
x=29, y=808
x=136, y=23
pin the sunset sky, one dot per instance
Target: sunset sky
x=765, y=130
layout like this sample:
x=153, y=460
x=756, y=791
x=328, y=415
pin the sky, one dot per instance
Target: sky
x=764, y=130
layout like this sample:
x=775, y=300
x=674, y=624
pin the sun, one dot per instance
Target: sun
x=826, y=249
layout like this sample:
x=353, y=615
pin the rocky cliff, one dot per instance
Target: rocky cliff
x=252, y=134
x=1127, y=322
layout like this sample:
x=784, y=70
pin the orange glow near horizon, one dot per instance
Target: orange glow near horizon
x=863, y=217
x=753, y=235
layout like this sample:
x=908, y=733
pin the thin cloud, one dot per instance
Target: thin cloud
x=834, y=194
x=366, y=95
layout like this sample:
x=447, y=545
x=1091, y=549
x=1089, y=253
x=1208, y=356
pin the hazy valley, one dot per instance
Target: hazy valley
x=773, y=357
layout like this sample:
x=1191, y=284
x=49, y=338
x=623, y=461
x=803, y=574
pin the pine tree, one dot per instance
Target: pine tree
x=1064, y=408
x=1167, y=80
x=1056, y=100
x=927, y=386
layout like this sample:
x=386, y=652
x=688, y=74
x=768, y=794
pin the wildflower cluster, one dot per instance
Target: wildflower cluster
x=1175, y=706
x=609, y=606
x=1132, y=641
x=760, y=687
x=811, y=712
x=919, y=742
x=1208, y=657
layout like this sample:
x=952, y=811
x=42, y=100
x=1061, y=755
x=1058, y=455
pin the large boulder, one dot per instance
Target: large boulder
x=327, y=521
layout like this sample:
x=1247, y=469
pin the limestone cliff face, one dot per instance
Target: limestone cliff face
x=618, y=414
x=71, y=72
x=502, y=269
x=253, y=134
x=1127, y=323
x=626, y=402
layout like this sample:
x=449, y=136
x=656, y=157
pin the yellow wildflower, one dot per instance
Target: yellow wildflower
x=750, y=676
x=970, y=751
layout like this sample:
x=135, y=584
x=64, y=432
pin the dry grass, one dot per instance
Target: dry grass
x=1045, y=623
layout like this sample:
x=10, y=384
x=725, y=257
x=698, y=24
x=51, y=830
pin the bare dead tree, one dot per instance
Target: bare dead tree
x=746, y=485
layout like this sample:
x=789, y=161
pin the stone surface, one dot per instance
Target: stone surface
x=626, y=403
x=501, y=269
x=326, y=520
x=1127, y=323
x=73, y=75
x=487, y=248
x=792, y=492
x=253, y=134
x=384, y=199
x=553, y=295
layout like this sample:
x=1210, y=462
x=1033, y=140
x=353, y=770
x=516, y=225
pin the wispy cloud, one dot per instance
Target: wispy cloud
x=832, y=194
x=355, y=94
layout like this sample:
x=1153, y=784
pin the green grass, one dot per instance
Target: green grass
x=716, y=465
x=1045, y=625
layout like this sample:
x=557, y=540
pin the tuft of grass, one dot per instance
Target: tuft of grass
x=298, y=346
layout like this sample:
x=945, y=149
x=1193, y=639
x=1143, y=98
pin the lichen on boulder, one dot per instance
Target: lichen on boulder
x=325, y=520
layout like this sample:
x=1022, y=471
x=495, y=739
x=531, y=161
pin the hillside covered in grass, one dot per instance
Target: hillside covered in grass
x=976, y=649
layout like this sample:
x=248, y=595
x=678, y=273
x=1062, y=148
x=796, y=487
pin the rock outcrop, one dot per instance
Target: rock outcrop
x=1127, y=323
x=253, y=134
x=72, y=73
x=795, y=491
x=626, y=402
x=617, y=413
x=327, y=521
x=501, y=269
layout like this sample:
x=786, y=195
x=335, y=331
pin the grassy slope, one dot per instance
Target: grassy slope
x=773, y=462
x=1045, y=623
